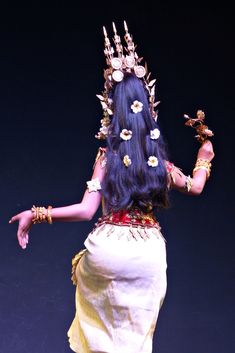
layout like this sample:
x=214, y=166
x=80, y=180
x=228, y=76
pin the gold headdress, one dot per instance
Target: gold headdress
x=119, y=64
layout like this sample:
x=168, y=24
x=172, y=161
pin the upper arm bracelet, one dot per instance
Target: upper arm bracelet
x=93, y=185
x=188, y=183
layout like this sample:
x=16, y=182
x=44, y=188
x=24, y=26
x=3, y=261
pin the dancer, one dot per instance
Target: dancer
x=120, y=275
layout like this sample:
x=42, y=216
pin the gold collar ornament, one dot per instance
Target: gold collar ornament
x=118, y=64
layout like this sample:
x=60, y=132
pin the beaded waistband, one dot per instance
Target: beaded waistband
x=133, y=217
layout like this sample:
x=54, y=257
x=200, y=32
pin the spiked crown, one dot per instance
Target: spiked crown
x=122, y=60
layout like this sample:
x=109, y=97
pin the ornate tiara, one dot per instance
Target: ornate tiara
x=118, y=64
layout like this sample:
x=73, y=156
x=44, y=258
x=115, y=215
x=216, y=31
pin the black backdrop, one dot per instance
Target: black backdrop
x=51, y=66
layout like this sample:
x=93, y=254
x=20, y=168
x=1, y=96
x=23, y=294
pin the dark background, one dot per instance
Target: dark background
x=51, y=65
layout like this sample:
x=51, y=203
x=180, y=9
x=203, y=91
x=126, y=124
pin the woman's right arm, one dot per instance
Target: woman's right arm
x=195, y=185
x=83, y=211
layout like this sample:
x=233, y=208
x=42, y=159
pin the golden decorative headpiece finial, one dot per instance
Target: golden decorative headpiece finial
x=117, y=41
x=118, y=65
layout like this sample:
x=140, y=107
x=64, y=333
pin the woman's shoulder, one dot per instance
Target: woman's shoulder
x=172, y=172
x=101, y=157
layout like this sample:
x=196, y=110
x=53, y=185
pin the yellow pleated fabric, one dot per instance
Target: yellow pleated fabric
x=121, y=285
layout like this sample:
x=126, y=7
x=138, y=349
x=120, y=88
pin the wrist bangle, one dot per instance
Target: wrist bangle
x=41, y=214
x=203, y=164
x=49, y=218
x=204, y=168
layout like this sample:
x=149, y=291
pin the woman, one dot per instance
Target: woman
x=121, y=273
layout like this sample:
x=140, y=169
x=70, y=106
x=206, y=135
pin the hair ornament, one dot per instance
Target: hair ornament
x=126, y=134
x=106, y=104
x=154, y=134
x=137, y=107
x=121, y=60
x=153, y=161
x=126, y=160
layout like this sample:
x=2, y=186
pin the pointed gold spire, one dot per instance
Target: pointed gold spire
x=125, y=26
x=117, y=42
x=108, y=51
x=114, y=28
x=105, y=32
x=129, y=41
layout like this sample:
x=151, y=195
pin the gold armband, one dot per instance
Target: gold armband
x=203, y=164
x=188, y=183
x=41, y=214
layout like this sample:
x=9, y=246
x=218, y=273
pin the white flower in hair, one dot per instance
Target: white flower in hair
x=137, y=107
x=126, y=160
x=126, y=134
x=152, y=161
x=154, y=134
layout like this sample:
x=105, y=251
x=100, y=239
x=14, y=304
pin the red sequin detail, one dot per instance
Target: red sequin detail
x=132, y=217
x=169, y=167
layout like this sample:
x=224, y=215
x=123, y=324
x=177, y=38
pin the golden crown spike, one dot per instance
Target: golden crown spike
x=117, y=41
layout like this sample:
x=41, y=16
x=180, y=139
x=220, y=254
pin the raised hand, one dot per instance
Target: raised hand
x=206, y=151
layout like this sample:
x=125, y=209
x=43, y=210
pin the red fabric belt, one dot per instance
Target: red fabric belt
x=130, y=217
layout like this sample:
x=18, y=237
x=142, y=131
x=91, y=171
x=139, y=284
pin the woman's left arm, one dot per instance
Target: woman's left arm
x=193, y=185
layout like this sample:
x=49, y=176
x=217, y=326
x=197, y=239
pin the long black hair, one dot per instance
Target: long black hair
x=138, y=185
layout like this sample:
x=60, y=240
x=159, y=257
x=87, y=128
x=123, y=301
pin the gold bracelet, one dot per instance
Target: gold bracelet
x=38, y=213
x=201, y=161
x=188, y=183
x=49, y=218
x=41, y=214
x=204, y=168
x=203, y=164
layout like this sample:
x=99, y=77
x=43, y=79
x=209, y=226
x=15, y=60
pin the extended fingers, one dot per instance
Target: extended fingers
x=14, y=218
x=20, y=236
x=23, y=237
x=24, y=241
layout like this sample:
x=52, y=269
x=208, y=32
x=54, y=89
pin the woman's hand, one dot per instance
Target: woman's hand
x=25, y=223
x=206, y=151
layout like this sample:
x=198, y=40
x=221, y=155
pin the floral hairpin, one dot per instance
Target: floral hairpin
x=126, y=134
x=126, y=160
x=137, y=107
x=154, y=134
x=152, y=161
